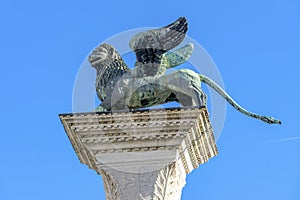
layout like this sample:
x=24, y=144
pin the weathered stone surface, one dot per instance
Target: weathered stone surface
x=144, y=154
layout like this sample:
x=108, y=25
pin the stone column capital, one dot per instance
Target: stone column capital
x=142, y=154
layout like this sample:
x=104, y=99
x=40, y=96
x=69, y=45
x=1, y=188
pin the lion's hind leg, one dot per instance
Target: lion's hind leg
x=185, y=85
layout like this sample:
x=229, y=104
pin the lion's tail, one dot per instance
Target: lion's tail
x=217, y=88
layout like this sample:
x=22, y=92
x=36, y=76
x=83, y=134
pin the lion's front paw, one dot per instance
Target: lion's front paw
x=100, y=109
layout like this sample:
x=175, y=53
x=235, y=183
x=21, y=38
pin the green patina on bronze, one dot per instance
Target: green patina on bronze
x=147, y=84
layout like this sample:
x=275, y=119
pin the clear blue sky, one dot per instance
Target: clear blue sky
x=255, y=45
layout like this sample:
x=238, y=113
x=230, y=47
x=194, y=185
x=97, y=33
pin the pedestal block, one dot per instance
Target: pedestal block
x=142, y=154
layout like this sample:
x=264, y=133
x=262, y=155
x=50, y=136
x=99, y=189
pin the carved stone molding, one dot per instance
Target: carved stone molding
x=143, y=154
x=166, y=183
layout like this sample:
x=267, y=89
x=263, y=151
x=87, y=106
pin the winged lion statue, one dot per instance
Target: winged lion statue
x=147, y=83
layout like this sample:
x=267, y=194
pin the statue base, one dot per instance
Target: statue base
x=144, y=154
